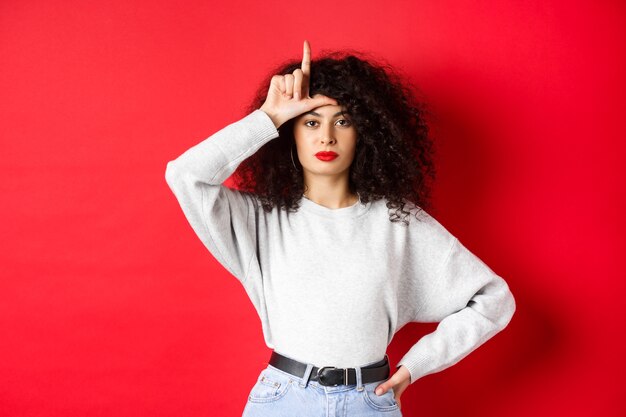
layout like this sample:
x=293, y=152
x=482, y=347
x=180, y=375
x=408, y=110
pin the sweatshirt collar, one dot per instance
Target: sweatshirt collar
x=357, y=209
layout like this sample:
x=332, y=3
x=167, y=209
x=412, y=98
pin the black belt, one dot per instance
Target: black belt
x=329, y=375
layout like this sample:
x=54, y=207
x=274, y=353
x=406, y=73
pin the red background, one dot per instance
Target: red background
x=110, y=305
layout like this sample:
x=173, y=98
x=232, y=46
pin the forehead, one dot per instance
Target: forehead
x=326, y=111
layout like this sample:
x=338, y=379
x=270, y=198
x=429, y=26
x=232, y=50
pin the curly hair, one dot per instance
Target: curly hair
x=393, y=157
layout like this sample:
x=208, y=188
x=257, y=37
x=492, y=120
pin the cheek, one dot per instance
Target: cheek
x=353, y=140
x=304, y=144
x=299, y=137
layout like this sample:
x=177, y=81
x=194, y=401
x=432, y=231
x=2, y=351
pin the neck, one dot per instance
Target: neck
x=330, y=192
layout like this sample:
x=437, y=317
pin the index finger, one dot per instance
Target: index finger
x=306, y=59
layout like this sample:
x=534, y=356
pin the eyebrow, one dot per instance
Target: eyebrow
x=319, y=115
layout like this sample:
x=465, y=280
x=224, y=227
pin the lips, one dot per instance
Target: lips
x=326, y=156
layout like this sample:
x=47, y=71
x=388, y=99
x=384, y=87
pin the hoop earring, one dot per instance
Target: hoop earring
x=292, y=161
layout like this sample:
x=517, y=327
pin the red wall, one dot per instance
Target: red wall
x=110, y=305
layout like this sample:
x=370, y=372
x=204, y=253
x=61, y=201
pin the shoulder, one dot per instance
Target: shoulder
x=425, y=229
x=416, y=214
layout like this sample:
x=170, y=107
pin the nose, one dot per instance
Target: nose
x=328, y=138
x=327, y=134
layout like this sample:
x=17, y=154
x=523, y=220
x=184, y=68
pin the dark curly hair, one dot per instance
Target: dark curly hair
x=393, y=157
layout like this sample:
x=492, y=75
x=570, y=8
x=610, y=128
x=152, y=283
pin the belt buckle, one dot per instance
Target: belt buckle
x=319, y=375
x=321, y=380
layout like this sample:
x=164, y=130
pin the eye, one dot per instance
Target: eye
x=346, y=122
x=309, y=121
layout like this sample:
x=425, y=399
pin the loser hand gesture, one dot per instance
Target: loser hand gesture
x=288, y=95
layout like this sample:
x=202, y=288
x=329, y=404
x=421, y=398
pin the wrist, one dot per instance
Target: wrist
x=272, y=116
x=404, y=371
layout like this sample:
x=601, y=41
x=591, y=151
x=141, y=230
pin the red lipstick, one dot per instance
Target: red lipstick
x=326, y=156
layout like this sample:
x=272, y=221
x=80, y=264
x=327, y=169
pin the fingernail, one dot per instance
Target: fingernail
x=379, y=391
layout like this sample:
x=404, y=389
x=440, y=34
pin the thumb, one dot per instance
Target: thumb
x=382, y=388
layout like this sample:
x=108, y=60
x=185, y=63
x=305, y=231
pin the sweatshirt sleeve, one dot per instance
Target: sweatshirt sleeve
x=222, y=217
x=471, y=304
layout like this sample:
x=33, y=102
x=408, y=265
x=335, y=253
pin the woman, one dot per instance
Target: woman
x=325, y=244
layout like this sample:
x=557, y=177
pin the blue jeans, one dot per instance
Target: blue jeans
x=277, y=393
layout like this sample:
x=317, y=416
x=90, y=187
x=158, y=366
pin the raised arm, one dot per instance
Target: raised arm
x=223, y=218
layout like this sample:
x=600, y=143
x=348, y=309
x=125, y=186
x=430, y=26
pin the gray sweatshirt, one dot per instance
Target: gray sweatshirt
x=333, y=286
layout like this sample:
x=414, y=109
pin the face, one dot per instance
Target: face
x=325, y=129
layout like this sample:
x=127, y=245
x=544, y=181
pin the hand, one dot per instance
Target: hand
x=288, y=95
x=398, y=381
